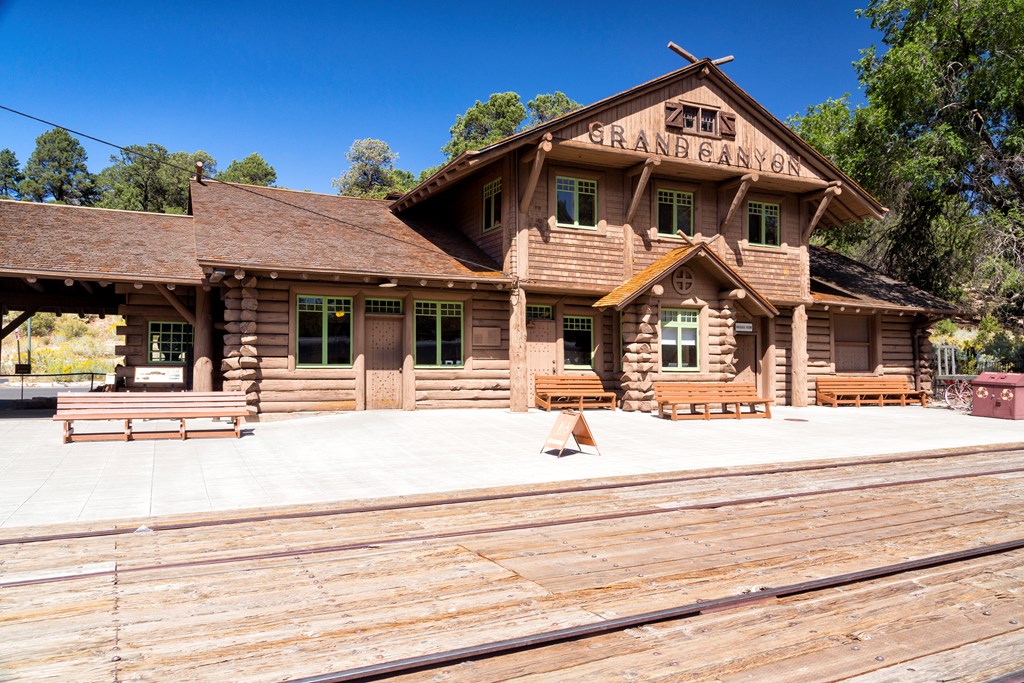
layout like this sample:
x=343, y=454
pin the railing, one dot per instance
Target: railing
x=66, y=375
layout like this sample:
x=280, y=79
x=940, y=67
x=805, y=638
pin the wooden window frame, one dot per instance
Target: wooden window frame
x=679, y=324
x=438, y=315
x=550, y=312
x=677, y=193
x=699, y=110
x=324, y=314
x=590, y=320
x=368, y=301
x=763, y=205
x=577, y=179
x=168, y=327
x=491, y=189
x=871, y=344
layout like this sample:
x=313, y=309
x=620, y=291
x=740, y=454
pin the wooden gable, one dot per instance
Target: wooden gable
x=697, y=120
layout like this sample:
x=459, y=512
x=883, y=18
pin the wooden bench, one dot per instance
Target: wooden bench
x=151, y=405
x=571, y=391
x=858, y=391
x=670, y=395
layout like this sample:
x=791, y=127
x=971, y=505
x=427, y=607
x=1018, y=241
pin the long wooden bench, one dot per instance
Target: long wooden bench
x=151, y=405
x=704, y=395
x=571, y=391
x=858, y=391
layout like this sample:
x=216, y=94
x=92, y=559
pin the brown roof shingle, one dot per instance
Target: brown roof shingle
x=244, y=225
x=836, y=278
x=96, y=243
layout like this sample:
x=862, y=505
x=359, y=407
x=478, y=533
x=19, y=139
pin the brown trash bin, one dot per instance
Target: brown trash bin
x=998, y=394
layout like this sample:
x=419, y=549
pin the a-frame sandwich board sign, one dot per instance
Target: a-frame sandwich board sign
x=570, y=423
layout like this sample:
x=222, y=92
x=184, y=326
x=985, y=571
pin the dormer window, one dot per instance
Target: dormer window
x=708, y=117
x=699, y=120
x=492, y=205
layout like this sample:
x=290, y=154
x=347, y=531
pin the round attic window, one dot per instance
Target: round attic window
x=682, y=280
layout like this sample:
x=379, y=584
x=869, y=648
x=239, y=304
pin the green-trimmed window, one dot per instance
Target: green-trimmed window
x=578, y=341
x=438, y=333
x=680, y=334
x=492, y=205
x=538, y=312
x=323, y=334
x=576, y=202
x=169, y=342
x=763, y=224
x=384, y=306
x=675, y=212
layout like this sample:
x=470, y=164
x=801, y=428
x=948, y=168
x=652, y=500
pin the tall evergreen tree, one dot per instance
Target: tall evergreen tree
x=57, y=170
x=549, y=106
x=10, y=174
x=485, y=123
x=149, y=178
x=252, y=170
x=372, y=172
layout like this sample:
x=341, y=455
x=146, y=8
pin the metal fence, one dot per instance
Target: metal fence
x=54, y=377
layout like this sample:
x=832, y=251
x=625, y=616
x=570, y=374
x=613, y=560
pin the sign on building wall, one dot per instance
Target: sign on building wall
x=159, y=375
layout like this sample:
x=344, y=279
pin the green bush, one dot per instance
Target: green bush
x=70, y=327
x=43, y=324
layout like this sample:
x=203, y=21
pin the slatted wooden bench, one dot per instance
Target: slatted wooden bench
x=571, y=391
x=704, y=395
x=858, y=391
x=150, y=405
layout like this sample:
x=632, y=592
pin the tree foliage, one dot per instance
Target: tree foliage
x=485, y=123
x=10, y=174
x=371, y=172
x=940, y=141
x=149, y=178
x=252, y=170
x=57, y=170
x=543, y=108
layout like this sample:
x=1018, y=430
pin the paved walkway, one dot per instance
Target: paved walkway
x=383, y=453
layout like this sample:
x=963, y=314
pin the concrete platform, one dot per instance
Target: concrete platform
x=382, y=453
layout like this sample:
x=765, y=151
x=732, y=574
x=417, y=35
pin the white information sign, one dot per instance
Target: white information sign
x=159, y=375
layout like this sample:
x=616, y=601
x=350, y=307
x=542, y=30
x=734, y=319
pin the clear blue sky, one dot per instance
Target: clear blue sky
x=298, y=82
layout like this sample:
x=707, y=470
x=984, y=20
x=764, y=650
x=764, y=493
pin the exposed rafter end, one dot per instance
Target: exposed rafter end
x=682, y=53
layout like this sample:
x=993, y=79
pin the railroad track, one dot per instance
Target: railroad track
x=480, y=587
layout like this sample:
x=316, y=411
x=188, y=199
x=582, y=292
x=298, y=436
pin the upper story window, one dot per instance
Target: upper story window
x=539, y=312
x=169, y=342
x=576, y=202
x=438, y=333
x=693, y=118
x=675, y=213
x=680, y=330
x=492, y=205
x=708, y=119
x=763, y=224
x=323, y=334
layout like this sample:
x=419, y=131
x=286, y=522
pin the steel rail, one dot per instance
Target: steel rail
x=463, y=533
x=483, y=498
x=502, y=647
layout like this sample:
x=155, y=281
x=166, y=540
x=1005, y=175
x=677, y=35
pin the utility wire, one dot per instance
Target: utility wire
x=246, y=188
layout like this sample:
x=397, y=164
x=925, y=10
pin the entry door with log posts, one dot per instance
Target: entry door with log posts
x=746, y=358
x=540, y=350
x=383, y=362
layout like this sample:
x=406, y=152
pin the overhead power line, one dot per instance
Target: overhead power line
x=245, y=188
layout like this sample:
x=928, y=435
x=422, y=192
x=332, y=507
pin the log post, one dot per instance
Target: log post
x=202, y=343
x=409, y=362
x=798, y=370
x=519, y=381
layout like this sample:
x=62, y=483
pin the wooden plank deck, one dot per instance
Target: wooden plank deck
x=284, y=598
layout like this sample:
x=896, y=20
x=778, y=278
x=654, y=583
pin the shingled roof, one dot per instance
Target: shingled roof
x=838, y=279
x=78, y=242
x=629, y=290
x=248, y=226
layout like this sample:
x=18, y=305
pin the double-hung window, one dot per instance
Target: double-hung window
x=578, y=341
x=323, y=334
x=763, y=224
x=169, y=342
x=675, y=213
x=576, y=202
x=438, y=333
x=680, y=334
x=492, y=205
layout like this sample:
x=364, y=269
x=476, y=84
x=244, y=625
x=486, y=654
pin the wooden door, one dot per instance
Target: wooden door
x=746, y=358
x=540, y=350
x=383, y=363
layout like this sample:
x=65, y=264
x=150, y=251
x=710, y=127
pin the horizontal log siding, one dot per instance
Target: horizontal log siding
x=783, y=354
x=898, y=346
x=484, y=382
x=819, y=349
x=140, y=308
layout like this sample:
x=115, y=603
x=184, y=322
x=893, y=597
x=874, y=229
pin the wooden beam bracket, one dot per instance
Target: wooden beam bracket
x=543, y=148
x=16, y=323
x=645, y=171
x=174, y=301
x=826, y=198
x=745, y=182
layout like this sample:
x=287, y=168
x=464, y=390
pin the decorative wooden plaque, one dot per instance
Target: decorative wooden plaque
x=570, y=423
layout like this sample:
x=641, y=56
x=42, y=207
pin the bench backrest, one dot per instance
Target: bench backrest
x=682, y=390
x=151, y=400
x=579, y=383
x=897, y=383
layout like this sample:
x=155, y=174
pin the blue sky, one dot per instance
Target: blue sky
x=298, y=82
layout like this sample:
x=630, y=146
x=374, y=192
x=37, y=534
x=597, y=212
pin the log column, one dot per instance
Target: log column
x=241, y=301
x=798, y=370
x=727, y=340
x=640, y=359
x=202, y=343
x=519, y=381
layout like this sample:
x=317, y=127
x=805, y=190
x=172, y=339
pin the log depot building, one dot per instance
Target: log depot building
x=659, y=234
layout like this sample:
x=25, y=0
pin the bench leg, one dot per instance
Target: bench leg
x=68, y=431
x=181, y=430
x=768, y=411
x=127, y=430
x=238, y=428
